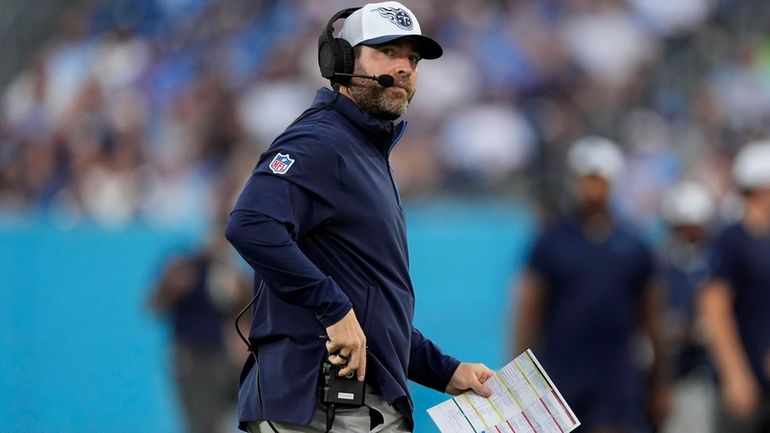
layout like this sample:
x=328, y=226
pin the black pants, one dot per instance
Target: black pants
x=206, y=382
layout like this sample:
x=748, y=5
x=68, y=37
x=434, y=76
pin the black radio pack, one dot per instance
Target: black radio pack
x=345, y=391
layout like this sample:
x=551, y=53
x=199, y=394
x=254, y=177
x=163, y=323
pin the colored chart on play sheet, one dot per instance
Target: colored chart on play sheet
x=524, y=400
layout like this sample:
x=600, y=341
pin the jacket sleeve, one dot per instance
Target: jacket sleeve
x=276, y=209
x=428, y=365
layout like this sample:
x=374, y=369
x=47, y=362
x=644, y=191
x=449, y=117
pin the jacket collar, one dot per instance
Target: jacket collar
x=384, y=134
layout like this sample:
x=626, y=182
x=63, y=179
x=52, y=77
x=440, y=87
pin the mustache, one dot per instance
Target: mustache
x=406, y=85
x=402, y=83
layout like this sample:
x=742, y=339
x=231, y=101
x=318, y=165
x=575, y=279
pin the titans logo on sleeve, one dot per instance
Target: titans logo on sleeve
x=281, y=163
x=397, y=16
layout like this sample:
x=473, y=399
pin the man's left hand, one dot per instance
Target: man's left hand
x=470, y=376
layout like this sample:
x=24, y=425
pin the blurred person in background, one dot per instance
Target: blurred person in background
x=735, y=302
x=586, y=291
x=201, y=292
x=688, y=210
x=322, y=224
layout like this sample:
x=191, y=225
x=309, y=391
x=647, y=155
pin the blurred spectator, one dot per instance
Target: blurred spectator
x=201, y=293
x=736, y=300
x=483, y=144
x=651, y=165
x=672, y=18
x=688, y=210
x=605, y=40
x=587, y=288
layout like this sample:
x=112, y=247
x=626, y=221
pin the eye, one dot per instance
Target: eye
x=387, y=51
x=415, y=58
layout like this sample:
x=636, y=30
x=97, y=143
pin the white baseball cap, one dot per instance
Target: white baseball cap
x=751, y=168
x=688, y=203
x=377, y=23
x=599, y=156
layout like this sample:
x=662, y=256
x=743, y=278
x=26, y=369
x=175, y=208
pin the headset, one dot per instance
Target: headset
x=335, y=55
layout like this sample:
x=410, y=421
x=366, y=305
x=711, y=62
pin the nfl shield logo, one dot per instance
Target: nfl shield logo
x=281, y=163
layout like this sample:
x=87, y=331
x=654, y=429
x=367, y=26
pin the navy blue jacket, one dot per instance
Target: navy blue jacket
x=593, y=289
x=322, y=224
x=743, y=260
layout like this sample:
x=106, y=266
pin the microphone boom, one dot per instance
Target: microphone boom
x=383, y=80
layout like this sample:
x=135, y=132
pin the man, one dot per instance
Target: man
x=735, y=302
x=688, y=210
x=201, y=292
x=585, y=291
x=322, y=224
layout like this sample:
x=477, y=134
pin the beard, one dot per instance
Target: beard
x=385, y=103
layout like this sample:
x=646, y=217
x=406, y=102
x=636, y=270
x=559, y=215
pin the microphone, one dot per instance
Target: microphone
x=384, y=80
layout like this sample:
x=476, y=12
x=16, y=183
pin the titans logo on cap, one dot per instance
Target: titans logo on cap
x=397, y=16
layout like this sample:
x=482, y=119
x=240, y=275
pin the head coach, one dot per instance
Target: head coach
x=322, y=224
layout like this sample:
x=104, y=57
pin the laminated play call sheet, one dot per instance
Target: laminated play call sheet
x=524, y=400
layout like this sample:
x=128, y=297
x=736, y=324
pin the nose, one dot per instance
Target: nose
x=404, y=67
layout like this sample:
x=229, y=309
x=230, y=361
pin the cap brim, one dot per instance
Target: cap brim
x=426, y=47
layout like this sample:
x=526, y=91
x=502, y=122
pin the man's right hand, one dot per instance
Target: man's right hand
x=347, y=345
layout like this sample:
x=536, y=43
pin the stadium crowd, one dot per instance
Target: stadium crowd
x=140, y=110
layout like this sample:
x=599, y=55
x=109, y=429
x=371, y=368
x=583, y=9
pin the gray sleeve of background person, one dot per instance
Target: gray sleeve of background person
x=275, y=210
x=428, y=365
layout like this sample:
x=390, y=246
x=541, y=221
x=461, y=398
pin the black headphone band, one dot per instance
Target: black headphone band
x=329, y=28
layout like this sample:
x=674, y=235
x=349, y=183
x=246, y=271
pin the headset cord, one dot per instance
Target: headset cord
x=331, y=410
x=252, y=350
x=238, y=318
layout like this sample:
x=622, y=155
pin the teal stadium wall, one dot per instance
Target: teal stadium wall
x=81, y=353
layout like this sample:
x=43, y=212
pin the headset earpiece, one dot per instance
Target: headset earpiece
x=335, y=55
x=348, y=57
